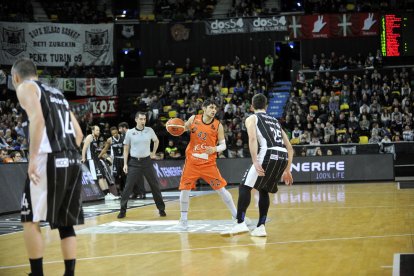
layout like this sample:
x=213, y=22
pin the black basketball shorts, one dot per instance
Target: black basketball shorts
x=57, y=198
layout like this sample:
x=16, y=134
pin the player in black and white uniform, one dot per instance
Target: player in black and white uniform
x=116, y=144
x=90, y=153
x=270, y=162
x=53, y=187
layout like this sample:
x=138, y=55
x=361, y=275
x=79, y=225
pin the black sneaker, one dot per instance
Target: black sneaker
x=121, y=214
x=162, y=213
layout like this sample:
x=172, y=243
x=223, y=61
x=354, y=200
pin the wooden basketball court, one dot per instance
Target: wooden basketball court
x=351, y=229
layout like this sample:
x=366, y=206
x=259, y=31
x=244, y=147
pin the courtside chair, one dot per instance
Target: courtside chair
x=166, y=108
x=149, y=72
x=363, y=139
x=179, y=71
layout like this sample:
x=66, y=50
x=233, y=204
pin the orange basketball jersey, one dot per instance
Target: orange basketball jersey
x=202, y=135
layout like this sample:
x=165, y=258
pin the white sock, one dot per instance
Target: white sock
x=184, y=203
x=228, y=200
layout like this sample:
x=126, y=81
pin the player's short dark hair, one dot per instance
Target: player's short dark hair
x=208, y=102
x=123, y=124
x=140, y=113
x=259, y=101
x=113, y=128
x=14, y=153
x=93, y=127
x=25, y=68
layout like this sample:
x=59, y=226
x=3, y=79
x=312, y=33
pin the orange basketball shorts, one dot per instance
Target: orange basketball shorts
x=208, y=172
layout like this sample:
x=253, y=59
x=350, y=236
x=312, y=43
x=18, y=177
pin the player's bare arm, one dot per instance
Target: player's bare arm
x=287, y=175
x=88, y=141
x=253, y=147
x=221, y=142
x=28, y=96
x=78, y=130
x=106, y=147
x=189, y=122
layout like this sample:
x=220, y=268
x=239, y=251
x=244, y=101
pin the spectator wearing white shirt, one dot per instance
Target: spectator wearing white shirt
x=408, y=134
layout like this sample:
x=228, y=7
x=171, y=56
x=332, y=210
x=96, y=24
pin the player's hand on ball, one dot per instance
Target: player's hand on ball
x=287, y=178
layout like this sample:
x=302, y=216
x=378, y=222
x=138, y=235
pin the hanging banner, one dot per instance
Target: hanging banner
x=96, y=87
x=333, y=25
x=267, y=24
x=53, y=82
x=95, y=106
x=50, y=44
x=226, y=26
x=365, y=24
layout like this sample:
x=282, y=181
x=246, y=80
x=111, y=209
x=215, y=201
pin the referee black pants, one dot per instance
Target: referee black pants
x=136, y=169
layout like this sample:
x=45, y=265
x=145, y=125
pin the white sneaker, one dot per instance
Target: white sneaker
x=259, y=231
x=182, y=225
x=247, y=220
x=110, y=196
x=237, y=228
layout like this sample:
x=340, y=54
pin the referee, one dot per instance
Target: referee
x=137, y=143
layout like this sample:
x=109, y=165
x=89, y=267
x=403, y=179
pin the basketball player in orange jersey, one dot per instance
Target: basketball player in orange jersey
x=206, y=140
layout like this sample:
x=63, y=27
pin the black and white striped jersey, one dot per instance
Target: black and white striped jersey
x=59, y=133
x=269, y=132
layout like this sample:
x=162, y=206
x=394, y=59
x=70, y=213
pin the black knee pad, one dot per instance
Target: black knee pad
x=66, y=232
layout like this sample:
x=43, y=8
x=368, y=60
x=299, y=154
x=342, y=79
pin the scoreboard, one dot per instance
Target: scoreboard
x=397, y=34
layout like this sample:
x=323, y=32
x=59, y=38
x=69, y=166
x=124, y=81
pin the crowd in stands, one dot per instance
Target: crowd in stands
x=184, y=9
x=232, y=86
x=327, y=106
x=333, y=61
x=246, y=8
x=79, y=70
x=85, y=11
x=13, y=142
x=18, y=11
x=335, y=6
x=375, y=106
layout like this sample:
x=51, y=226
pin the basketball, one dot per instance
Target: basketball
x=175, y=126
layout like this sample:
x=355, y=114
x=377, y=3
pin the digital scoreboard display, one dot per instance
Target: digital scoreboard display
x=397, y=34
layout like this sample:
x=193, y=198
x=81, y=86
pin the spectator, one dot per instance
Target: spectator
x=3, y=155
x=171, y=151
x=408, y=134
x=386, y=139
x=16, y=156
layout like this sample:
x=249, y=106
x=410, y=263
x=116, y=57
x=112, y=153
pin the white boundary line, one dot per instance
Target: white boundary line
x=213, y=247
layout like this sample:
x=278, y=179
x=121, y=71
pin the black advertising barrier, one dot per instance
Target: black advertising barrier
x=13, y=178
x=307, y=170
x=343, y=168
